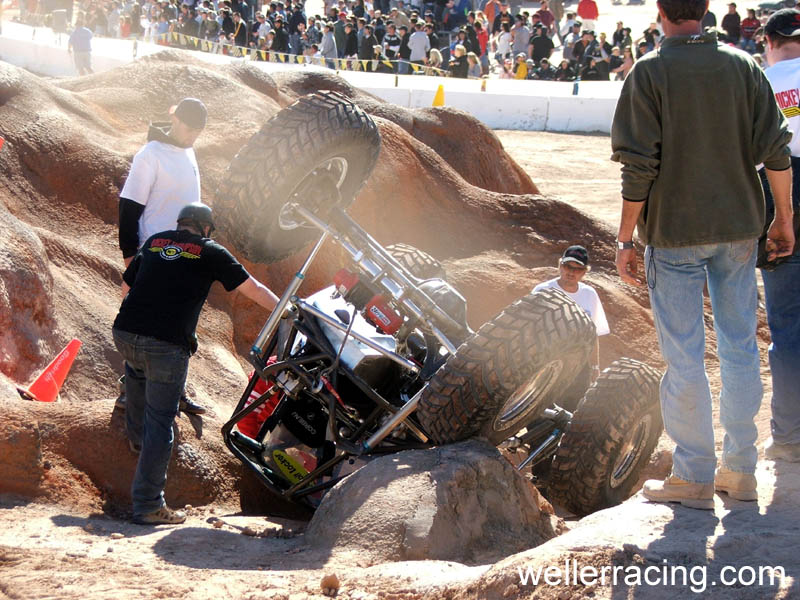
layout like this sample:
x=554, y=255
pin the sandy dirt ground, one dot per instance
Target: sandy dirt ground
x=575, y=168
x=66, y=551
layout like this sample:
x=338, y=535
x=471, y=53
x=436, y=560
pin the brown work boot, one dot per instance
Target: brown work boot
x=161, y=516
x=740, y=486
x=675, y=489
x=787, y=452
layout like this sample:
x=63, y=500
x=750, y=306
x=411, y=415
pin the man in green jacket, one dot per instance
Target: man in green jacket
x=693, y=121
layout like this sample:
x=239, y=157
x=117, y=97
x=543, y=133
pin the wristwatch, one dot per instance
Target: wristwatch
x=624, y=245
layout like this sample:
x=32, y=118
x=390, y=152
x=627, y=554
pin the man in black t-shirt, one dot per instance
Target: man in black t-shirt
x=280, y=43
x=579, y=49
x=732, y=23
x=170, y=278
x=540, y=46
x=239, y=31
x=599, y=51
x=404, y=53
x=432, y=37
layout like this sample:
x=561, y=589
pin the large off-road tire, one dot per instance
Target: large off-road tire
x=420, y=264
x=514, y=367
x=609, y=441
x=321, y=142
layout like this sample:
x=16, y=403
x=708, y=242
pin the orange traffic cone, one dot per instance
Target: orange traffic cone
x=48, y=384
x=2, y=141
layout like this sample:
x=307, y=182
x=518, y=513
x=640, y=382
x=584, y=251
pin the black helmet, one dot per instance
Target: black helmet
x=197, y=213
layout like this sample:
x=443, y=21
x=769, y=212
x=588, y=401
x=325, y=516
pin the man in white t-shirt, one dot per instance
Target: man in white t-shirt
x=572, y=267
x=163, y=179
x=782, y=282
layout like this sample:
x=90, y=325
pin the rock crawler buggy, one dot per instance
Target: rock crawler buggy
x=383, y=360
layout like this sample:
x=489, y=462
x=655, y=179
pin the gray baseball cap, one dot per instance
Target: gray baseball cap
x=192, y=112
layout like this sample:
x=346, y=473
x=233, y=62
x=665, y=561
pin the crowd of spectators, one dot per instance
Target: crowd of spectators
x=589, y=56
x=748, y=33
x=462, y=38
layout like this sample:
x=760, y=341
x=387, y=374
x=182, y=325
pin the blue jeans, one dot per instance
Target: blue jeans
x=155, y=373
x=782, y=292
x=782, y=295
x=676, y=277
x=748, y=45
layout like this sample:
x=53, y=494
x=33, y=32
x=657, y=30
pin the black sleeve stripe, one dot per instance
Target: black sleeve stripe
x=129, y=214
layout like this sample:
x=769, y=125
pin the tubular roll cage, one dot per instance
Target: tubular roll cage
x=382, y=270
x=321, y=355
x=293, y=316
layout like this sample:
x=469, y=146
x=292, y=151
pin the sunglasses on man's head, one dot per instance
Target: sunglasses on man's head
x=573, y=266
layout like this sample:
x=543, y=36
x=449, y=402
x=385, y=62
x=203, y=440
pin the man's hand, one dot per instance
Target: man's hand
x=780, y=235
x=627, y=267
x=780, y=239
x=125, y=287
x=626, y=259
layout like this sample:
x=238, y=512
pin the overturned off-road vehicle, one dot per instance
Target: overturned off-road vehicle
x=383, y=360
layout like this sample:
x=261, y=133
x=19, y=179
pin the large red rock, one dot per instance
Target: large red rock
x=26, y=302
x=461, y=502
x=79, y=453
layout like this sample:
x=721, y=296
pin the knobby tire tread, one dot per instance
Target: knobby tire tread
x=464, y=396
x=581, y=468
x=275, y=160
x=420, y=264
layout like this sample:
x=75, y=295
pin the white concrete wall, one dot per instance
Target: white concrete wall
x=505, y=104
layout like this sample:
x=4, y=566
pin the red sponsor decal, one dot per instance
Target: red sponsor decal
x=788, y=98
x=184, y=246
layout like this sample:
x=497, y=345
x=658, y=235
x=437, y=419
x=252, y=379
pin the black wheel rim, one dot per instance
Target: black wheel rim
x=632, y=451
